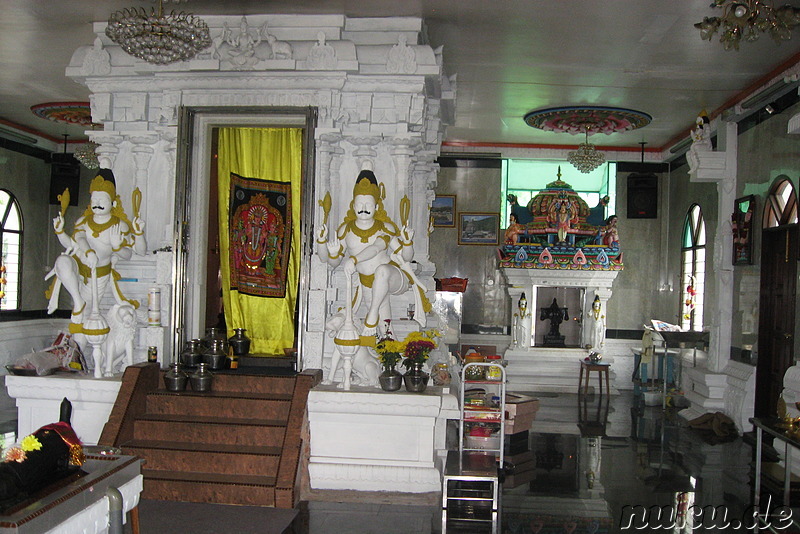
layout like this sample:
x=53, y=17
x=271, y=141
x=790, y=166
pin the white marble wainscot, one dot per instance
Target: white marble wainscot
x=553, y=370
x=370, y=440
x=39, y=401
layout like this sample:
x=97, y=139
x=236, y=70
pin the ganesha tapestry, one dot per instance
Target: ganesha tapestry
x=260, y=226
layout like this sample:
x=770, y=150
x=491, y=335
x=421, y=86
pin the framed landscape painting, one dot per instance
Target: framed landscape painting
x=478, y=228
x=443, y=211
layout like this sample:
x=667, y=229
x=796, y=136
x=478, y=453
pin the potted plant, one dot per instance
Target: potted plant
x=416, y=348
x=390, y=352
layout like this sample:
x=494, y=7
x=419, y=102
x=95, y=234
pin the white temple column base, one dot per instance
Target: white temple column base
x=370, y=440
x=704, y=390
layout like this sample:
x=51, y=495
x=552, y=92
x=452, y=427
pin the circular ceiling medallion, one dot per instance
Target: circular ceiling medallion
x=587, y=119
x=67, y=112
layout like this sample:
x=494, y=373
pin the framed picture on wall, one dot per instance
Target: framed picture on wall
x=478, y=228
x=742, y=222
x=443, y=211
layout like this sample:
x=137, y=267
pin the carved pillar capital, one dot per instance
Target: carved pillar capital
x=109, y=147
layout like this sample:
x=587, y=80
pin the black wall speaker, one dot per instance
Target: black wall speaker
x=65, y=172
x=642, y=196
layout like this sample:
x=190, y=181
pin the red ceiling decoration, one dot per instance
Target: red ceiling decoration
x=66, y=112
x=587, y=119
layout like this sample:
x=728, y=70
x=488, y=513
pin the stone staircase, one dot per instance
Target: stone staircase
x=237, y=444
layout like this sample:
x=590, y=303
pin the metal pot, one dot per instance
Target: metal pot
x=215, y=357
x=192, y=354
x=175, y=379
x=201, y=379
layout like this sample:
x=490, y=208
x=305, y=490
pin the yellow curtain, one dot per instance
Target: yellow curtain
x=267, y=154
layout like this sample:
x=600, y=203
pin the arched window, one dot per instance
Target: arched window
x=693, y=271
x=10, y=249
x=781, y=205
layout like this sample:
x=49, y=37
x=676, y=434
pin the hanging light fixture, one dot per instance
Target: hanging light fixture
x=587, y=158
x=87, y=155
x=158, y=38
x=748, y=19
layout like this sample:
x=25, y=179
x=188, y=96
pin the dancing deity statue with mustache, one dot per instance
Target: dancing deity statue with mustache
x=101, y=236
x=368, y=243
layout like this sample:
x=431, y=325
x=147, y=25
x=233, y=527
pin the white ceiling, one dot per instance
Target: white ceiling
x=511, y=57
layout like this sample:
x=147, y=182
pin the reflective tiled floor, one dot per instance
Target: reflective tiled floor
x=588, y=465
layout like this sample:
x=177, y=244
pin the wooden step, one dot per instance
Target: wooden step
x=237, y=444
x=251, y=490
x=201, y=429
x=219, y=404
x=206, y=457
x=252, y=383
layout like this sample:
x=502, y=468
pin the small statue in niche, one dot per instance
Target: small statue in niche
x=119, y=343
x=322, y=55
x=555, y=314
x=514, y=231
x=562, y=215
x=280, y=49
x=701, y=136
x=402, y=58
x=597, y=321
x=522, y=330
x=610, y=235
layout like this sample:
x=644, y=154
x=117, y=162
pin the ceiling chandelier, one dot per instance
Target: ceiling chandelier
x=158, y=38
x=749, y=18
x=87, y=155
x=587, y=158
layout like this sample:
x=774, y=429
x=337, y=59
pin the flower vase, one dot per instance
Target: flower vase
x=416, y=380
x=390, y=380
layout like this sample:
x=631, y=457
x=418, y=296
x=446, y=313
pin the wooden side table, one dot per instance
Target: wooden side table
x=588, y=367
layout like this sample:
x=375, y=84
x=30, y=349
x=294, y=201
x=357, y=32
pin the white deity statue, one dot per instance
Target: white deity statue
x=701, y=136
x=597, y=325
x=523, y=324
x=321, y=55
x=368, y=243
x=101, y=236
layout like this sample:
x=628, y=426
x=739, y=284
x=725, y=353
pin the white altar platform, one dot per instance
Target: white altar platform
x=366, y=439
x=550, y=370
x=38, y=400
x=557, y=369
